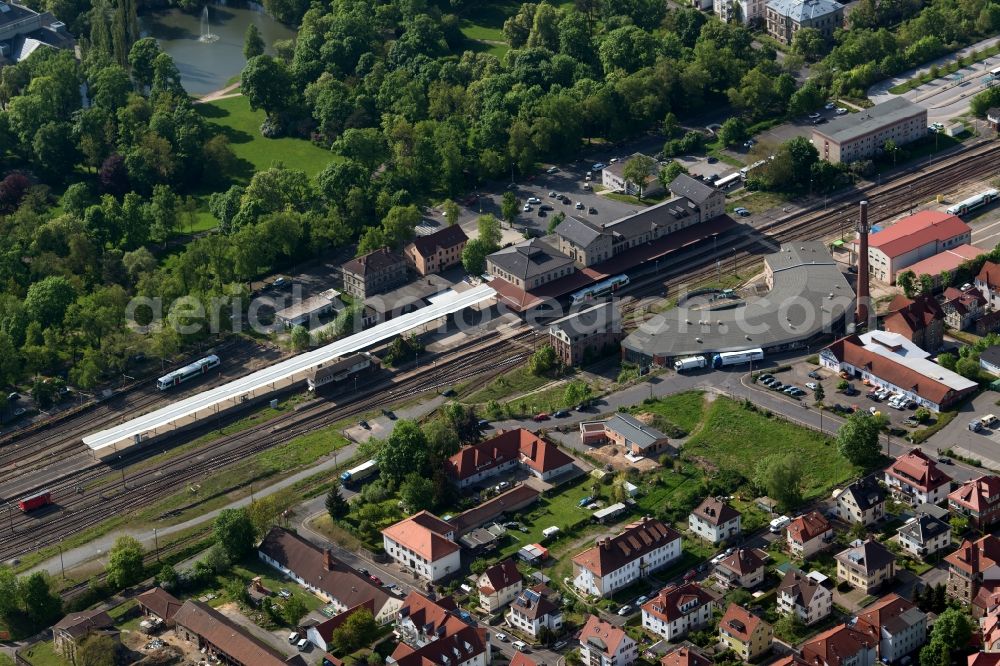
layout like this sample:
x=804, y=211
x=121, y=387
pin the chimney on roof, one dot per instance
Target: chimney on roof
x=604, y=543
x=328, y=560
x=862, y=315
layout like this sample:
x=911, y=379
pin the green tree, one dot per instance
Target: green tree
x=417, y=493
x=266, y=84
x=234, y=531
x=926, y=284
x=442, y=440
x=639, y=171
x=508, y=207
x=168, y=577
x=907, y=280
x=890, y=148
x=404, y=451
x=336, y=505
x=935, y=653
x=819, y=393
x=577, y=392
x=489, y=229
x=9, y=595
x=968, y=367
x=451, y=212
x=55, y=150
x=555, y=221
x=947, y=361
x=358, y=630
x=141, y=58
x=125, y=563
x=670, y=172
x=542, y=361
x=253, y=43
x=953, y=628
x=294, y=610
x=474, y=256
x=809, y=43
x=42, y=605
x=733, y=131
x=300, y=337
x=781, y=478
x=858, y=439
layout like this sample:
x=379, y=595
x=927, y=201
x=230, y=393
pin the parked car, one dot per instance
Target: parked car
x=541, y=213
x=841, y=111
x=534, y=200
x=364, y=424
x=484, y=424
x=502, y=637
x=741, y=211
x=829, y=106
x=777, y=386
x=375, y=579
x=585, y=501
x=598, y=166
x=641, y=599
x=779, y=523
x=811, y=385
x=944, y=460
x=553, y=195
x=561, y=414
x=363, y=572
x=712, y=159
x=587, y=187
x=559, y=645
x=552, y=170
x=538, y=418
x=592, y=210
x=284, y=594
x=815, y=375
x=766, y=375
x=814, y=116
x=527, y=208
x=690, y=575
x=625, y=610
x=280, y=282
x=579, y=205
x=520, y=646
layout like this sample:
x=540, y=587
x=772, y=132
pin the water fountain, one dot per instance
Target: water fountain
x=206, y=30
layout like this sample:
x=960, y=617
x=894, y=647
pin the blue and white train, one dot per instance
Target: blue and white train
x=199, y=367
x=598, y=289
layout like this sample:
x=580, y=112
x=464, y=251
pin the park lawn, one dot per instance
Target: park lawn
x=242, y=126
x=735, y=438
x=43, y=654
x=685, y=409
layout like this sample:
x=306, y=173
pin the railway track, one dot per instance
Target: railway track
x=76, y=512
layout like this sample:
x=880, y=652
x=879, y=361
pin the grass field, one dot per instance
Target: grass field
x=559, y=510
x=683, y=409
x=242, y=126
x=757, y=202
x=43, y=654
x=735, y=438
x=516, y=382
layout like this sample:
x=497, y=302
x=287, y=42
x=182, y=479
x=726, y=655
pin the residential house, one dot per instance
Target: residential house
x=685, y=655
x=989, y=627
x=988, y=283
x=466, y=646
x=617, y=562
x=613, y=178
x=321, y=634
x=962, y=308
x=321, y=573
x=604, y=644
x=787, y=17
x=422, y=620
x=915, y=478
x=842, y=645
x=741, y=11
x=805, y=595
x=678, y=609
x=920, y=320
x=862, y=501
x=744, y=633
x=374, y=273
x=897, y=624
x=586, y=333
x=498, y=586
x=808, y=534
x=158, y=603
x=628, y=432
x=70, y=631
x=866, y=565
x=507, y=451
x=743, y=568
x=224, y=640
x=534, y=610
x=978, y=499
x=973, y=565
x=984, y=658
x=928, y=532
x=436, y=252
x=714, y=520
x=425, y=545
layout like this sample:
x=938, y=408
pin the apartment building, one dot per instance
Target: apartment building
x=858, y=136
x=619, y=561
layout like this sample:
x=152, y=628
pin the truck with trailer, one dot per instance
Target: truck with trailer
x=36, y=501
x=725, y=359
x=356, y=475
x=690, y=363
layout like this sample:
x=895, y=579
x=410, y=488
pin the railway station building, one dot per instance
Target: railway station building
x=374, y=273
x=913, y=239
x=589, y=331
x=808, y=301
x=860, y=136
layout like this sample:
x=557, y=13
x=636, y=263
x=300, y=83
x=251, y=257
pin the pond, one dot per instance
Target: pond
x=207, y=64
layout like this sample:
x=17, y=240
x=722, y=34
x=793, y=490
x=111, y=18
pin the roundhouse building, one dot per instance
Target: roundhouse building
x=808, y=300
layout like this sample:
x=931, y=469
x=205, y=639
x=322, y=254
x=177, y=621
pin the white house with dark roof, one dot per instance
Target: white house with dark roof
x=807, y=596
x=745, y=568
x=531, y=611
x=617, y=562
x=862, y=501
x=866, y=565
x=714, y=520
x=678, y=609
x=926, y=533
x=628, y=432
x=613, y=178
x=498, y=586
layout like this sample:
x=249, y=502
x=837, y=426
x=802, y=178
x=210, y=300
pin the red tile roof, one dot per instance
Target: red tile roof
x=429, y=615
x=714, y=511
x=543, y=456
x=598, y=633
x=226, y=635
x=517, y=444
x=949, y=260
x=739, y=622
x=464, y=644
x=744, y=561
x=916, y=231
x=973, y=557
x=983, y=659
x=833, y=647
x=685, y=656
x=919, y=471
x=501, y=576
x=327, y=627
x=851, y=350
x=521, y=659
x=806, y=528
x=975, y=495
x=885, y=614
x=912, y=314
x=423, y=533
x=990, y=274
x=668, y=603
x=375, y=261
x=159, y=602
x=636, y=540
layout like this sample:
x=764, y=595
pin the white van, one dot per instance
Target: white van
x=303, y=645
x=293, y=637
x=779, y=523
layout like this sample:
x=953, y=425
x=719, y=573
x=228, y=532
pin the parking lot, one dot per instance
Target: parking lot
x=983, y=445
x=799, y=376
x=798, y=127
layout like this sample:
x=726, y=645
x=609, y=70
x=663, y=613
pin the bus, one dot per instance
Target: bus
x=359, y=473
x=747, y=169
x=601, y=288
x=995, y=73
x=981, y=199
x=737, y=358
x=727, y=181
x=199, y=367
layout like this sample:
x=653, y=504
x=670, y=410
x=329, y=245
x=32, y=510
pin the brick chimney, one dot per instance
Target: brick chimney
x=328, y=560
x=861, y=318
